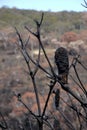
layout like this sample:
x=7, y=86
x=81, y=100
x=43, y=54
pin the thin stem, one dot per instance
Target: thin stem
x=79, y=80
x=52, y=70
x=37, y=96
x=85, y=4
x=82, y=64
x=77, y=83
x=26, y=57
x=69, y=123
x=38, y=61
x=37, y=35
x=67, y=89
x=4, y=125
x=49, y=94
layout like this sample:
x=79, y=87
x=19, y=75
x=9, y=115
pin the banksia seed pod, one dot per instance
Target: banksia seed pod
x=62, y=62
x=57, y=98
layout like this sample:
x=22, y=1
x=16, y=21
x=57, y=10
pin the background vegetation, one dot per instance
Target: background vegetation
x=67, y=29
x=58, y=22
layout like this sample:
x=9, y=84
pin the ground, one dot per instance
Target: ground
x=14, y=79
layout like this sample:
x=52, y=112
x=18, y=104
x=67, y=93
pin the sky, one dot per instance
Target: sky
x=45, y=5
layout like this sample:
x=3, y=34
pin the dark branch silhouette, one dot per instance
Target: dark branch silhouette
x=61, y=58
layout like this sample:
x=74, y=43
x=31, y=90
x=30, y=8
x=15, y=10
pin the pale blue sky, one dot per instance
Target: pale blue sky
x=45, y=5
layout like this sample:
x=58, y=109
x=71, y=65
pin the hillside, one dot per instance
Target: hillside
x=59, y=22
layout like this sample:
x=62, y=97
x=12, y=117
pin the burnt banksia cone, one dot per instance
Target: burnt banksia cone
x=62, y=62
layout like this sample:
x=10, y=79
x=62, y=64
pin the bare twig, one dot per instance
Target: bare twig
x=38, y=61
x=4, y=124
x=49, y=94
x=69, y=123
x=77, y=83
x=82, y=64
x=37, y=35
x=85, y=4
x=26, y=57
x=81, y=84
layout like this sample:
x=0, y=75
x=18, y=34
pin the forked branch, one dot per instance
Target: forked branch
x=85, y=4
x=37, y=35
